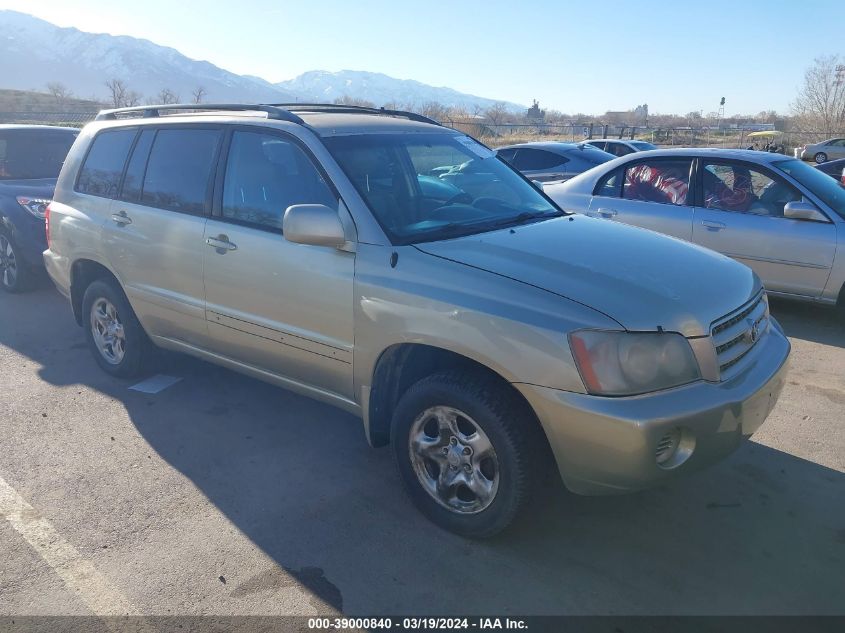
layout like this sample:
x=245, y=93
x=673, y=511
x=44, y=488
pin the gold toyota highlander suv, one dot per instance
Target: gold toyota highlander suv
x=398, y=269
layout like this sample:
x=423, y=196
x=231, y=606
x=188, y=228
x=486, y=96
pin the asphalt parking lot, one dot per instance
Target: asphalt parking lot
x=224, y=495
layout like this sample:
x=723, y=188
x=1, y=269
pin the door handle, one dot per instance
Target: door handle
x=121, y=219
x=607, y=213
x=221, y=243
x=710, y=224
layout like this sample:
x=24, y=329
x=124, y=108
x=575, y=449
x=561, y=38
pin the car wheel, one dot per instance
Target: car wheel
x=820, y=158
x=118, y=342
x=467, y=452
x=15, y=276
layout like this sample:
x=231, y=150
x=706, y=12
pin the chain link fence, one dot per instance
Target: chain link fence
x=500, y=133
x=70, y=119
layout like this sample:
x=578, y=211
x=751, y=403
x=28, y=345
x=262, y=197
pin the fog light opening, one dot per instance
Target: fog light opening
x=674, y=448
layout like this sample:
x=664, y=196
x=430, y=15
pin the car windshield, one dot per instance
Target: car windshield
x=819, y=183
x=643, y=145
x=31, y=154
x=426, y=187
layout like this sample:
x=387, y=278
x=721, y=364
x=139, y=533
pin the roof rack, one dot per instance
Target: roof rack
x=272, y=111
x=339, y=108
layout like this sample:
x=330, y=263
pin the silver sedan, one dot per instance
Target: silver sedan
x=822, y=152
x=778, y=215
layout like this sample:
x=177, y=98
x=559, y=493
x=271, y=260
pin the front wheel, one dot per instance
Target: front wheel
x=115, y=336
x=467, y=451
x=820, y=158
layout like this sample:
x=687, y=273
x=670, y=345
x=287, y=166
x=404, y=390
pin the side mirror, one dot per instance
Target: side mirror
x=314, y=224
x=803, y=211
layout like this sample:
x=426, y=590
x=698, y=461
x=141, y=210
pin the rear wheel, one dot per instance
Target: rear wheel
x=467, y=451
x=15, y=275
x=115, y=336
x=820, y=158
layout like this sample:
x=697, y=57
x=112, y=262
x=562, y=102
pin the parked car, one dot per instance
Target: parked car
x=30, y=159
x=621, y=147
x=834, y=169
x=822, y=152
x=483, y=334
x=778, y=215
x=550, y=160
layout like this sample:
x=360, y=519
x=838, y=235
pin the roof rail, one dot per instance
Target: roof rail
x=339, y=108
x=151, y=111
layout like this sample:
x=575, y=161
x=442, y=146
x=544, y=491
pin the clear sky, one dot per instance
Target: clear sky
x=677, y=56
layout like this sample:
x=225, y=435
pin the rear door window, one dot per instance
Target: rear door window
x=103, y=166
x=537, y=160
x=608, y=186
x=179, y=170
x=506, y=154
x=662, y=181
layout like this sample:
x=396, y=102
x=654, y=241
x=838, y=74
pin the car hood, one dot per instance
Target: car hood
x=640, y=279
x=40, y=188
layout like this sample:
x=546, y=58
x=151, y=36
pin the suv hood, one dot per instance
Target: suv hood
x=641, y=279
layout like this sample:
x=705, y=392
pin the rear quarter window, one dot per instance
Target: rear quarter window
x=103, y=166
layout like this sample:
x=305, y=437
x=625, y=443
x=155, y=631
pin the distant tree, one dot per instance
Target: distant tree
x=198, y=94
x=166, y=95
x=354, y=101
x=117, y=92
x=497, y=113
x=821, y=101
x=60, y=92
x=132, y=99
x=434, y=110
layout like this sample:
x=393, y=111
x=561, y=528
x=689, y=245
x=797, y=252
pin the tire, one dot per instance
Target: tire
x=820, y=158
x=438, y=414
x=130, y=350
x=15, y=274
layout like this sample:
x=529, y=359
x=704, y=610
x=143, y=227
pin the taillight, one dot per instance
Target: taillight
x=47, y=224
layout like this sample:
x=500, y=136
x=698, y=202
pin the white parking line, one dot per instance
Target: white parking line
x=78, y=574
x=155, y=384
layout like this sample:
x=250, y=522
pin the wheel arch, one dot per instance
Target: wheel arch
x=83, y=272
x=400, y=366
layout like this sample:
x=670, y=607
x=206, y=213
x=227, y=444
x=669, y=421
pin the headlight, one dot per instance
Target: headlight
x=627, y=363
x=36, y=206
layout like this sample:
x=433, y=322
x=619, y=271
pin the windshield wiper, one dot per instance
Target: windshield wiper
x=527, y=216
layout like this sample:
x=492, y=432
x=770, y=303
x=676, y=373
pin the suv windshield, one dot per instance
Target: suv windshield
x=822, y=185
x=425, y=187
x=31, y=154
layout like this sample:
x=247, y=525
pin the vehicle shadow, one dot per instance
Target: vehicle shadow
x=761, y=533
x=810, y=322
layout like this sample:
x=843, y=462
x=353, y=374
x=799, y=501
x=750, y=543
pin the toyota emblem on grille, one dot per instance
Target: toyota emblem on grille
x=753, y=331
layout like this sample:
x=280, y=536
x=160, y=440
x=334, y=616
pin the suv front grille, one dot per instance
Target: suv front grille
x=736, y=334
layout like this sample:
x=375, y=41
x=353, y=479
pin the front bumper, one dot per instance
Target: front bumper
x=607, y=445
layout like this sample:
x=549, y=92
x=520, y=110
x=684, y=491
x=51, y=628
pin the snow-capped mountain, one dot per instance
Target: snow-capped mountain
x=34, y=52
x=324, y=86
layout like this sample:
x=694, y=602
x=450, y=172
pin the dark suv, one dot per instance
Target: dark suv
x=31, y=157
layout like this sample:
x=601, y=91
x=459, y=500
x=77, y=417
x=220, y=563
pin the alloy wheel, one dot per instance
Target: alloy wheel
x=107, y=330
x=8, y=262
x=454, y=460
